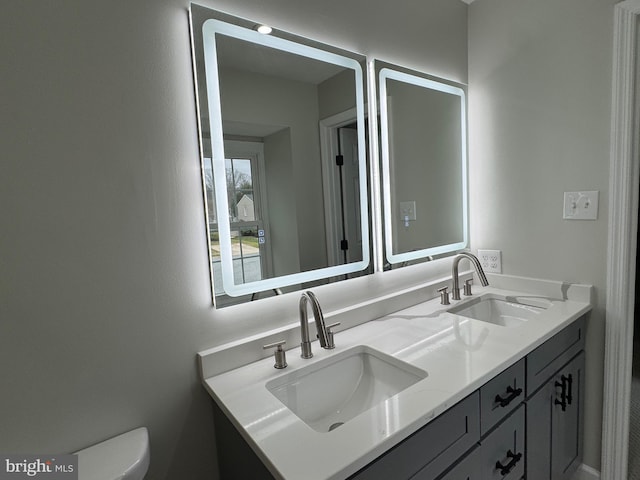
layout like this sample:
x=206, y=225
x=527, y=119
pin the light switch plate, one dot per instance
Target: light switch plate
x=408, y=210
x=580, y=205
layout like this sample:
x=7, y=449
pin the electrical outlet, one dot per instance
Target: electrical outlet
x=491, y=260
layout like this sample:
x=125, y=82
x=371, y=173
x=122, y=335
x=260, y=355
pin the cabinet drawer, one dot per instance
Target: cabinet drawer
x=466, y=469
x=433, y=448
x=502, y=452
x=545, y=360
x=501, y=395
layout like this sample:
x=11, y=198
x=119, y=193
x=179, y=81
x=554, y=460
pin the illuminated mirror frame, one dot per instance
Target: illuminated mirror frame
x=210, y=28
x=394, y=258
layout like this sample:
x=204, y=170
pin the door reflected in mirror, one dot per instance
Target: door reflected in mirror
x=284, y=158
x=424, y=164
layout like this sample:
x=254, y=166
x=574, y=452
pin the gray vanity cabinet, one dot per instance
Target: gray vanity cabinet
x=554, y=424
x=526, y=422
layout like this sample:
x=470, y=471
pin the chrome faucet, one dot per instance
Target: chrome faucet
x=454, y=272
x=304, y=324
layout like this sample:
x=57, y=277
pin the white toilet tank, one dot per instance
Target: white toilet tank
x=125, y=457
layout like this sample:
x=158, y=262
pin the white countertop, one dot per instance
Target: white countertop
x=459, y=354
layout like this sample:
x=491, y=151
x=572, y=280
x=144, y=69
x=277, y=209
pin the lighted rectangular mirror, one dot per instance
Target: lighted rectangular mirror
x=424, y=164
x=282, y=124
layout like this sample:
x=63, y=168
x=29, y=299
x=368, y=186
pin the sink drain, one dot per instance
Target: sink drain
x=335, y=425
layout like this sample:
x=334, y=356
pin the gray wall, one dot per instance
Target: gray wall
x=338, y=94
x=104, y=284
x=282, y=211
x=539, y=76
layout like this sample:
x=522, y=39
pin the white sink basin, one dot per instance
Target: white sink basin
x=331, y=392
x=498, y=311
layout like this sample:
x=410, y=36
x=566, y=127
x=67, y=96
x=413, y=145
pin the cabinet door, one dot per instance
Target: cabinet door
x=566, y=435
x=554, y=424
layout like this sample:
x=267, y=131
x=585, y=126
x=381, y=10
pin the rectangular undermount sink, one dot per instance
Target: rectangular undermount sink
x=331, y=392
x=499, y=311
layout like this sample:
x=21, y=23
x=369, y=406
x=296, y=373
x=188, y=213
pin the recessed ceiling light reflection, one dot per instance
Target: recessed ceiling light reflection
x=263, y=29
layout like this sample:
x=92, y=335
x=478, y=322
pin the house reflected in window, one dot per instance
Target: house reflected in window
x=245, y=209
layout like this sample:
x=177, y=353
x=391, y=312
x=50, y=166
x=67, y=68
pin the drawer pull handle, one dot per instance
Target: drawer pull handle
x=512, y=394
x=569, y=380
x=565, y=397
x=505, y=469
x=562, y=403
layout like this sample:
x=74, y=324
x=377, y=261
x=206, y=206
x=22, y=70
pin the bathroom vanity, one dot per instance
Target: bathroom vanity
x=526, y=419
x=416, y=387
x=471, y=394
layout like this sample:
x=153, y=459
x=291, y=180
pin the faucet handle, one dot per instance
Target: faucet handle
x=330, y=342
x=467, y=287
x=444, y=295
x=280, y=354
